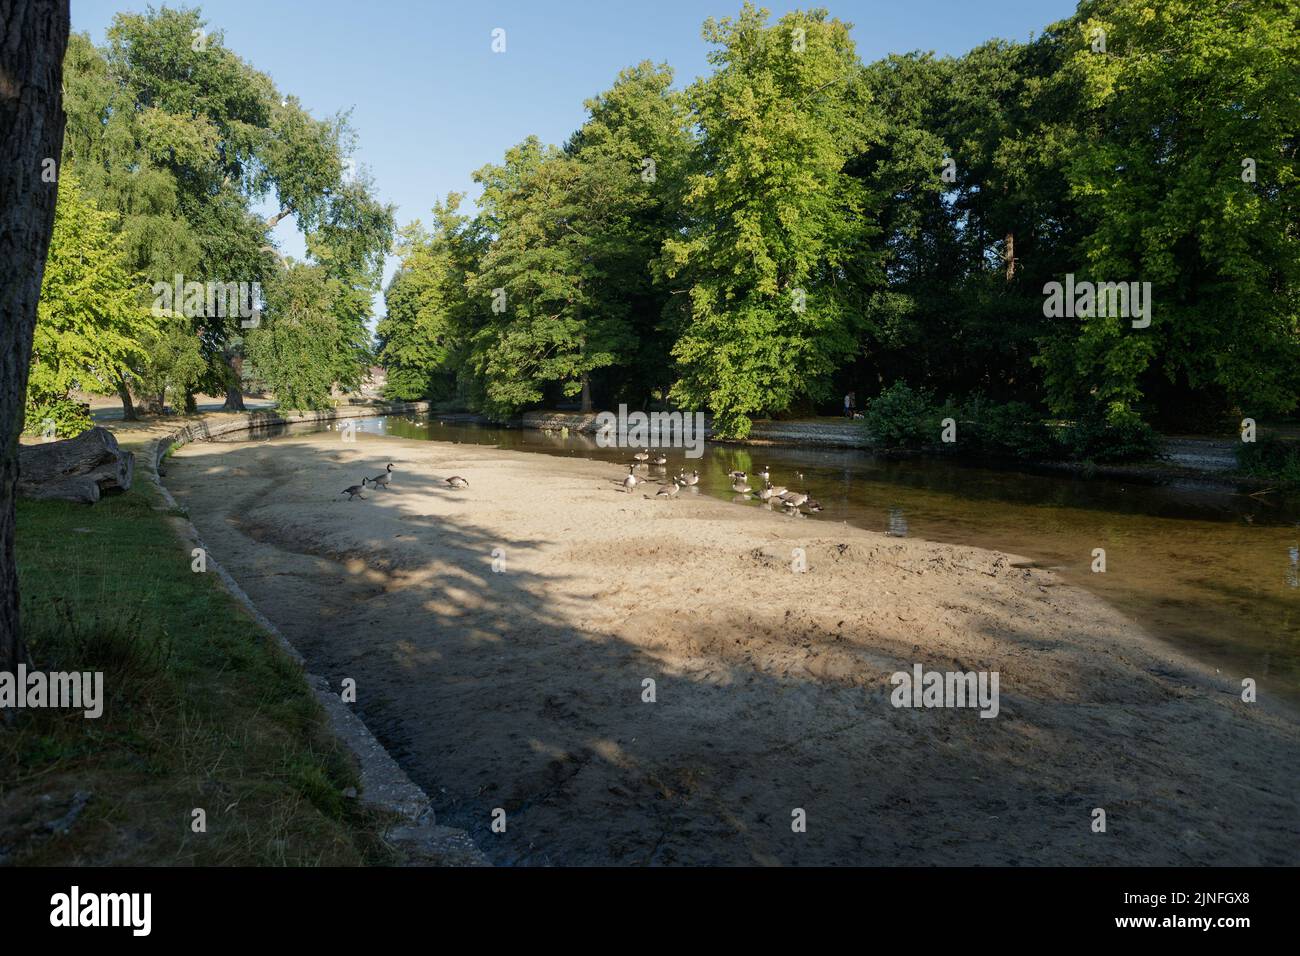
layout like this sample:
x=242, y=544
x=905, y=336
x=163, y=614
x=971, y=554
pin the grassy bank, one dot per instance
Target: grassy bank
x=202, y=710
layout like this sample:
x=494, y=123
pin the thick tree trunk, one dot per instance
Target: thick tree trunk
x=75, y=469
x=234, y=400
x=234, y=394
x=33, y=38
x=128, y=407
x=586, y=392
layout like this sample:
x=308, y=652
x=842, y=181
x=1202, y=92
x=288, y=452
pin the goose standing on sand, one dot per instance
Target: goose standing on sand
x=354, y=491
x=456, y=481
x=631, y=481
x=793, y=499
x=381, y=481
x=669, y=491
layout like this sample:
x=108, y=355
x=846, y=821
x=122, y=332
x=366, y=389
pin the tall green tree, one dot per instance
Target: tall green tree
x=429, y=319
x=777, y=234
x=307, y=339
x=639, y=131
x=91, y=320
x=186, y=140
x=1184, y=174
x=555, y=221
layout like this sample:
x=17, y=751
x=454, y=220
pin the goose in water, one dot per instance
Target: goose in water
x=737, y=475
x=768, y=492
x=763, y=473
x=456, y=481
x=659, y=459
x=692, y=479
x=354, y=491
x=631, y=481
x=642, y=456
x=740, y=486
x=793, y=499
x=381, y=481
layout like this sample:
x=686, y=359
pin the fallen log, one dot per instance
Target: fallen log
x=75, y=469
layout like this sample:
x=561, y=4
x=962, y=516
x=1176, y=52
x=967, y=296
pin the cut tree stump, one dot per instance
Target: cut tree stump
x=75, y=469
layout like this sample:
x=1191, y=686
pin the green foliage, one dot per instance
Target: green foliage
x=56, y=417
x=90, y=322
x=994, y=429
x=1273, y=458
x=791, y=225
x=1186, y=92
x=543, y=284
x=306, y=342
x=1117, y=433
x=902, y=417
x=775, y=224
x=182, y=140
x=424, y=334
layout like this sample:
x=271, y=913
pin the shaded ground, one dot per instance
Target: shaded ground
x=522, y=689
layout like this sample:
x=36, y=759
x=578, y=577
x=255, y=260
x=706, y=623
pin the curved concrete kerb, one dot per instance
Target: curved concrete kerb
x=384, y=785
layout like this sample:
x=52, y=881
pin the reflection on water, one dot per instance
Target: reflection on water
x=1213, y=571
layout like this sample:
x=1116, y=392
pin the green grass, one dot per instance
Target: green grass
x=202, y=710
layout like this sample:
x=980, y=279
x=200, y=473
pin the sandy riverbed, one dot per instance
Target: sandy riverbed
x=523, y=689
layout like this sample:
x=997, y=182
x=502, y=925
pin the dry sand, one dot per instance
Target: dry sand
x=523, y=689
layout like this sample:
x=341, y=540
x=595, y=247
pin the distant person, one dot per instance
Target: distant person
x=850, y=401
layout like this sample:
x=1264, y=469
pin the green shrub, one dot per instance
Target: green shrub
x=1116, y=434
x=1271, y=458
x=65, y=418
x=1002, y=430
x=902, y=417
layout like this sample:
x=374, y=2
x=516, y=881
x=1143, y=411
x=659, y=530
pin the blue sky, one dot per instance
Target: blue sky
x=431, y=102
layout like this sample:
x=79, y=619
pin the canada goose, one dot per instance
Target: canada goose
x=643, y=455
x=740, y=486
x=669, y=491
x=763, y=473
x=354, y=491
x=738, y=475
x=812, y=504
x=767, y=493
x=631, y=481
x=692, y=479
x=793, y=499
x=381, y=481
x=659, y=459
x=456, y=481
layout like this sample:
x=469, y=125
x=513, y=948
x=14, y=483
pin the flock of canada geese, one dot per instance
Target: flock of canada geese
x=382, y=480
x=777, y=496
